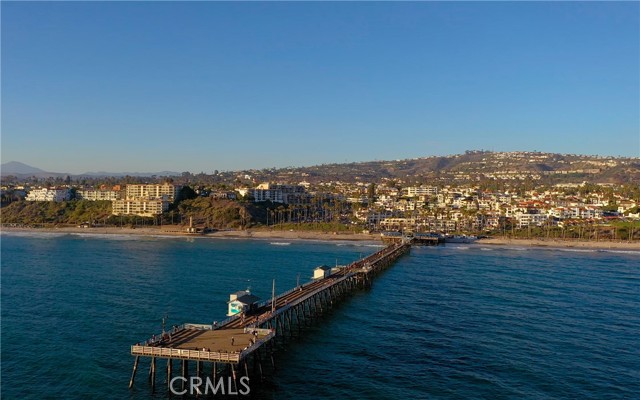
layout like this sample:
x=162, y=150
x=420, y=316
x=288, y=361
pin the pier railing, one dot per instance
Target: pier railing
x=261, y=331
x=202, y=355
x=264, y=335
x=201, y=327
x=268, y=335
x=227, y=320
x=267, y=302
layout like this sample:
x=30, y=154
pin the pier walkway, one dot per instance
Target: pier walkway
x=243, y=339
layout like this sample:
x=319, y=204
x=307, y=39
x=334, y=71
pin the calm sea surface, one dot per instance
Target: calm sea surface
x=447, y=322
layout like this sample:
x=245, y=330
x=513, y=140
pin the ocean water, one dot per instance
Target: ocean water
x=443, y=322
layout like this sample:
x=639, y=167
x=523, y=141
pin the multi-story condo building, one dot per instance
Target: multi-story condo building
x=398, y=223
x=165, y=191
x=279, y=193
x=526, y=219
x=142, y=207
x=415, y=191
x=48, y=194
x=92, y=194
x=273, y=195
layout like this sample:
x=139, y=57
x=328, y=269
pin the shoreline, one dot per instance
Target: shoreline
x=236, y=234
x=320, y=236
x=560, y=244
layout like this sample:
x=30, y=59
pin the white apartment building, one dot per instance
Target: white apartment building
x=48, y=194
x=373, y=218
x=559, y=212
x=398, y=223
x=142, y=207
x=152, y=191
x=589, y=212
x=92, y=194
x=440, y=225
x=415, y=191
x=277, y=193
x=273, y=195
x=526, y=219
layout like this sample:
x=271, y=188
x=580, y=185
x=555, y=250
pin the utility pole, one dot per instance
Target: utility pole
x=164, y=321
x=273, y=296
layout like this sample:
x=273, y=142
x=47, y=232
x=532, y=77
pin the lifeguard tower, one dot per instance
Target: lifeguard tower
x=242, y=301
x=321, y=272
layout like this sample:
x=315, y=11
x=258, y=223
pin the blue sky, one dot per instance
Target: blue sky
x=200, y=86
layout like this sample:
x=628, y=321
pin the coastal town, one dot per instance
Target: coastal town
x=504, y=203
x=320, y=200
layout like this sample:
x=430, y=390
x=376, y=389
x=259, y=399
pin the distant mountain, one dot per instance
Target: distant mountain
x=117, y=174
x=22, y=170
x=18, y=168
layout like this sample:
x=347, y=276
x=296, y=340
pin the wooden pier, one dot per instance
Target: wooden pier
x=418, y=238
x=244, y=342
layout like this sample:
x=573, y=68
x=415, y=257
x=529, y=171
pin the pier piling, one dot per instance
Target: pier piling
x=133, y=374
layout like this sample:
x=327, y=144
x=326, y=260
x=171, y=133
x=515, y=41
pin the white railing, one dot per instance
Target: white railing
x=201, y=327
x=227, y=320
x=270, y=334
x=202, y=355
x=264, y=335
x=268, y=301
x=260, y=331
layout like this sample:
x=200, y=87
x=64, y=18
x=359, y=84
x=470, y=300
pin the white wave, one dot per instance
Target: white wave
x=88, y=235
x=30, y=234
x=571, y=250
x=632, y=252
x=110, y=236
x=280, y=243
x=486, y=249
x=125, y=236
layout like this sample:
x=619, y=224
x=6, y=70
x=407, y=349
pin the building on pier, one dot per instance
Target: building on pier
x=242, y=302
x=321, y=272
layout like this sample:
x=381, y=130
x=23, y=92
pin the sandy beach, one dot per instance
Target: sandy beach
x=319, y=236
x=560, y=243
x=246, y=234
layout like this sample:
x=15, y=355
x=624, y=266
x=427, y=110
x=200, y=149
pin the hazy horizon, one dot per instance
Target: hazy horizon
x=204, y=86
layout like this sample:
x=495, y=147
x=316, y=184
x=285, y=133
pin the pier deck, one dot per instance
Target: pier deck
x=203, y=343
